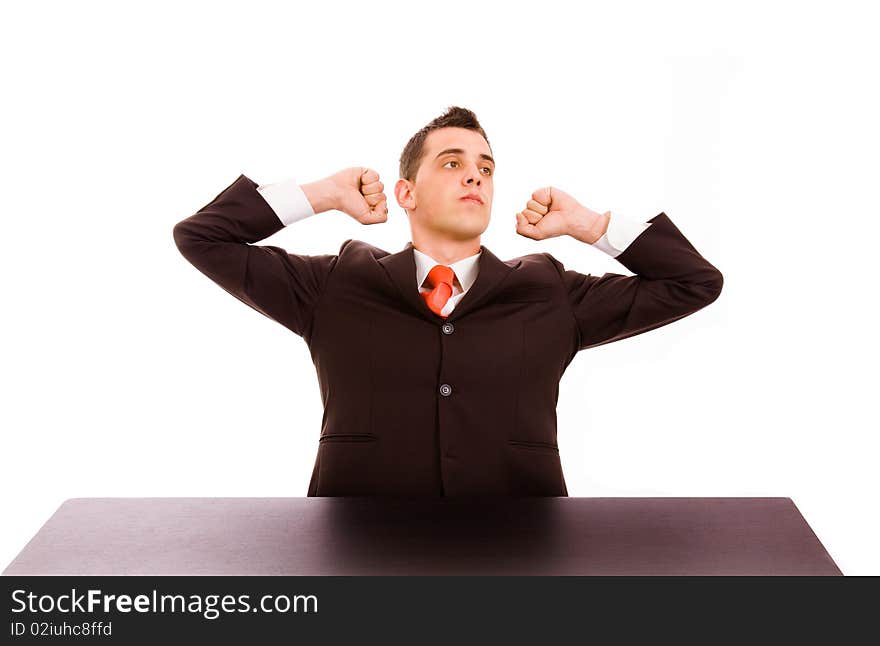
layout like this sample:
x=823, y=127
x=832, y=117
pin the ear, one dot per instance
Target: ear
x=403, y=191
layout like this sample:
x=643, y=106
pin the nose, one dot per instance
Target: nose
x=473, y=175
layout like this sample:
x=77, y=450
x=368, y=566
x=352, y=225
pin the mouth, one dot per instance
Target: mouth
x=472, y=199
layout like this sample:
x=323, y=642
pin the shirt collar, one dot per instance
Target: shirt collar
x=465, y=269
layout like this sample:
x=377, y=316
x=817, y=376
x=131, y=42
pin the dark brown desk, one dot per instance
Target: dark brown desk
x=425, y=536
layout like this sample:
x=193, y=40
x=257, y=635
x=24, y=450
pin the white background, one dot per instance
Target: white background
x=126, y=372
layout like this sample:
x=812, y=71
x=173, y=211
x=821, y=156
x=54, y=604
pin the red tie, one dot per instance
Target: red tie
x=440, y=280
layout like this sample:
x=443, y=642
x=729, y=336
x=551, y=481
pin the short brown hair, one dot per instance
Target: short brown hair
x=454, y=117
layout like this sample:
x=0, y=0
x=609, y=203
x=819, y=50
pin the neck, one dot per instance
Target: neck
x=447, y=252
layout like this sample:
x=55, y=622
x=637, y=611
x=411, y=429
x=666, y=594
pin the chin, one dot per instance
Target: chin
x=462, y=235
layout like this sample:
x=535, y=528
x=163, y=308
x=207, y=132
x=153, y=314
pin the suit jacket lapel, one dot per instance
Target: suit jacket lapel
x=401, y=269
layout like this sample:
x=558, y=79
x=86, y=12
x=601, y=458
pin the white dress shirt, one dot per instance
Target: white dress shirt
x=290, y=204
x=465, y=270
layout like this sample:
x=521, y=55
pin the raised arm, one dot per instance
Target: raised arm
x=672, y=279
x=219, y=241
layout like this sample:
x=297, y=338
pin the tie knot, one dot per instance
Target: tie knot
x=440, y=274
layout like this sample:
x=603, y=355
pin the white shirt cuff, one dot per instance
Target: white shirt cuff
x=622, y=230
x=288, y=200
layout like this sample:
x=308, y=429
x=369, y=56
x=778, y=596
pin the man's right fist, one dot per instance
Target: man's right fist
x=358, y=192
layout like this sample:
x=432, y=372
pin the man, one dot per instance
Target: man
x=439, y=365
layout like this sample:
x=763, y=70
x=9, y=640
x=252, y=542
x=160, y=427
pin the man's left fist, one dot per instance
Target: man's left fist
x=552, y=212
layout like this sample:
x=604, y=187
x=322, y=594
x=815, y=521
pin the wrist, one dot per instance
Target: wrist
x=588, y=226
x=320, y=195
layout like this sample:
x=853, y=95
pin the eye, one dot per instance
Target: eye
x=488, y=168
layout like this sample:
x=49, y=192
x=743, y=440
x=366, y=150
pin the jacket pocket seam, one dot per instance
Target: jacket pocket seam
x=347, y=437
x=540, y=446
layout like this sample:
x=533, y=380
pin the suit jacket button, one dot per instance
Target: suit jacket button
x=448, y=328
x=446, y=390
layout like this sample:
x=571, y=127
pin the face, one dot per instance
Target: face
x=455, y=162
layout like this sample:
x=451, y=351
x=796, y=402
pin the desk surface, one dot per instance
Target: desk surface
x=425, y=536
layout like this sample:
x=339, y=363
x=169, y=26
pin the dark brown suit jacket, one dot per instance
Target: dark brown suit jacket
x=418, y=405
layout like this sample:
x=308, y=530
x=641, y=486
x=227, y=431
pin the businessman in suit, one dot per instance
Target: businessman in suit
x=439, y=365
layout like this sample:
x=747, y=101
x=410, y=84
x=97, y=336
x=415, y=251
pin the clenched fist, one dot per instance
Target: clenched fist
x=552, y=212
x=356, y=191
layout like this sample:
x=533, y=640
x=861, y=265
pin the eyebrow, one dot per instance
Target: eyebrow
x=459, y=151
